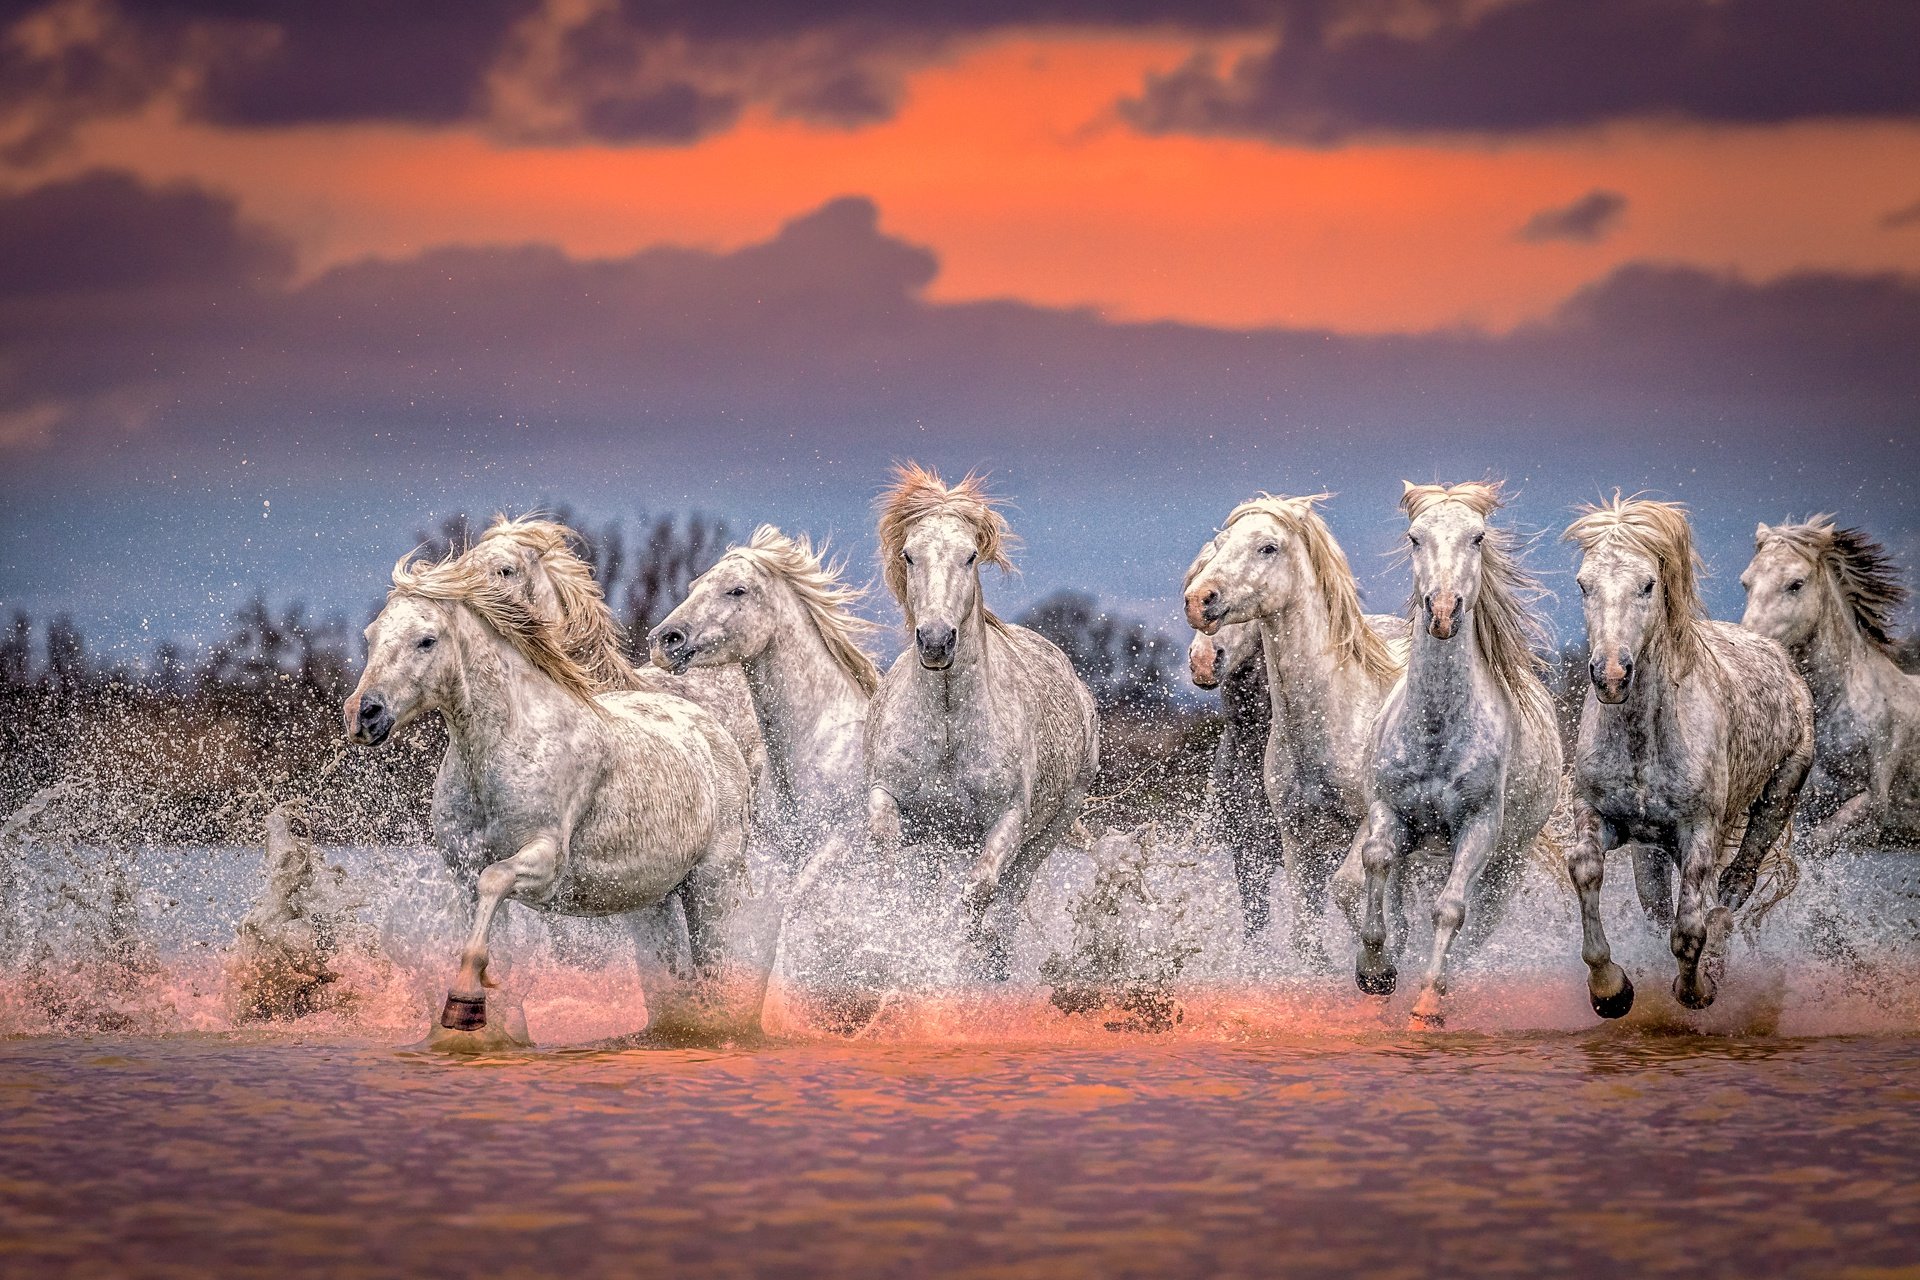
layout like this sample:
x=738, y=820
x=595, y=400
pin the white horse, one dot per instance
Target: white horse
x=537, y=560
x=1465, y=751
x=1236, y=812
x=551, y=794
x=1829, y=594
x=775, y=611
x=1329, y=666
x=981, y=735
x=1696, y=736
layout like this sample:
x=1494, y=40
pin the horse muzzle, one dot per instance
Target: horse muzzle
x=370, y=722
x=936, y=643
x=1204, y=663
x=672, y=651
x=1205, y=612
x=1612, y=676
x=1444, y=609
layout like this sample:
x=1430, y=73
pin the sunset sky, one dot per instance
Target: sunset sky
x=281, y=284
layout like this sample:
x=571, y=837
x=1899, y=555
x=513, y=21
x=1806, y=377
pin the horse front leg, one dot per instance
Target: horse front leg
x=1472, y=850
x=1653, y=884
x=996, y=854
x=1700, y=923
x=529, y=874
x=1382, y=842
x=1766, y=820
x=1608, y=986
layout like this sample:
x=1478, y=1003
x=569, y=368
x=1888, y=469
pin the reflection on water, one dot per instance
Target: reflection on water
x=1606, y=1151
x=1282, y=1123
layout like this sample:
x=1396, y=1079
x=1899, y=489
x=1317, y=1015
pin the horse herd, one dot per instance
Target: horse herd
x=577, y=783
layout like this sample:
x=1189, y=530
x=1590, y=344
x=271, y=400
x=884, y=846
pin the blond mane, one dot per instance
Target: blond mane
x=1660, y=532
x=1865, y=574
x=459, y=580
x=587, y=630
x=1510, y=635
x=827, y=600
x=918, y=493
x=1351, y=637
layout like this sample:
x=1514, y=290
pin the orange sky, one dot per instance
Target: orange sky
x=1007, y=161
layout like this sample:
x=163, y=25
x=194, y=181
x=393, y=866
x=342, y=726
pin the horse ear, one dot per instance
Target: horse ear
x=1760, y=532
x=1406, y=487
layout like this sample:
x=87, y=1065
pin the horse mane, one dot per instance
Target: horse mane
x=918, y=493
x=1862, y=569
x=1659, y=531
x=1511, y=637
x=827, y=600
x=459, y=580
x=587, y=630
x=1351, y=637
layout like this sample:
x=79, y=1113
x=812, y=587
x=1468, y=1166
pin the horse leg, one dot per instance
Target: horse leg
x=1766, y=820
x=658, y=933
x=1310, y=877
x=729, y=963
x=997, y=853
x=1382, y=842
x=1472, y=850
x=1843, y=826
x=528, y=874
x=1608, y=986
x=1349, y=882
x=1254, y=861
x=1699, y=844
x=1653, y=884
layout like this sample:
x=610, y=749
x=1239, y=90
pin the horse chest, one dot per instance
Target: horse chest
x=1432, y=778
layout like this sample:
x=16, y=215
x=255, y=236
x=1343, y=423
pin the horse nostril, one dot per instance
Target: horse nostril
x=672, y=638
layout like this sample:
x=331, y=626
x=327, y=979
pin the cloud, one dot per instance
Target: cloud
x=1529, y=65
x=189, y=338
x=1590, y=218
x=1906, y=216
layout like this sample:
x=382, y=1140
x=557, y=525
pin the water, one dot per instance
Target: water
x=1280, y=1122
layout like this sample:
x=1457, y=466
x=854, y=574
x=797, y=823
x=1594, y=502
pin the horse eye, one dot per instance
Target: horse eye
x=1793, y=588
x=1646, y=588
x=1479, y=538
x=1581, y=585
x=426, y=642
x=737, y=591
x=1412, y=541
x=907, y=557
x=973, y=557
x=506, y=571
x=1269, y=550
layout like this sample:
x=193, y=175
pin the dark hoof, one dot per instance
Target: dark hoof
x=464, y=1013
x=1381, y=983
x=1692, y=999
x=1617, y=1004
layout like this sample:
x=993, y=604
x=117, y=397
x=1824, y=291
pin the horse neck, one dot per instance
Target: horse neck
x=1304, y=675
x=1834, y=653
x=798, y=687
x=1442, y=675
x=495, y=692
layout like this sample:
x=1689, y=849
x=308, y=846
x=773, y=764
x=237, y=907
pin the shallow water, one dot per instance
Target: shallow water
x=1622, y=1151
x=1283, y=1124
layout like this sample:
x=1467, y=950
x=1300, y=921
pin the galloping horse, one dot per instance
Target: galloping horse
x=550, y=793
x=1465, y=749
x=1232, y=661
x=1329, y=666
x=1695, y=734
x=981, y=734
x=773, y=609
x=536, y=559
x=1829, y=594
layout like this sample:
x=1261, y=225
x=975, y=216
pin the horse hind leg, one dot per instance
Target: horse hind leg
x=1608, y=987
x=1766, y=821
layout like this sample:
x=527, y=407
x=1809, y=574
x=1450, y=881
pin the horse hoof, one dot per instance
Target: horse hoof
x=464, y=1013
x=1379, y=983
x=1418, y=1021
x=1617, y=1004
x=1698, y=998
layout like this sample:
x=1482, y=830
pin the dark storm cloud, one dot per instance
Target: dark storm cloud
x=1585, y=221
x=1545, y=64
x=193, y=343
x=642, y=71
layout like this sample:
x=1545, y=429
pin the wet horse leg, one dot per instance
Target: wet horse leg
x=528, y=875
x=1699, y=843
x=1653, y=883
x=728, y=961
x=1765, y=821
x=1381, y=849
x=1607, y=984
x=1472, y=850
x=997, y=852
